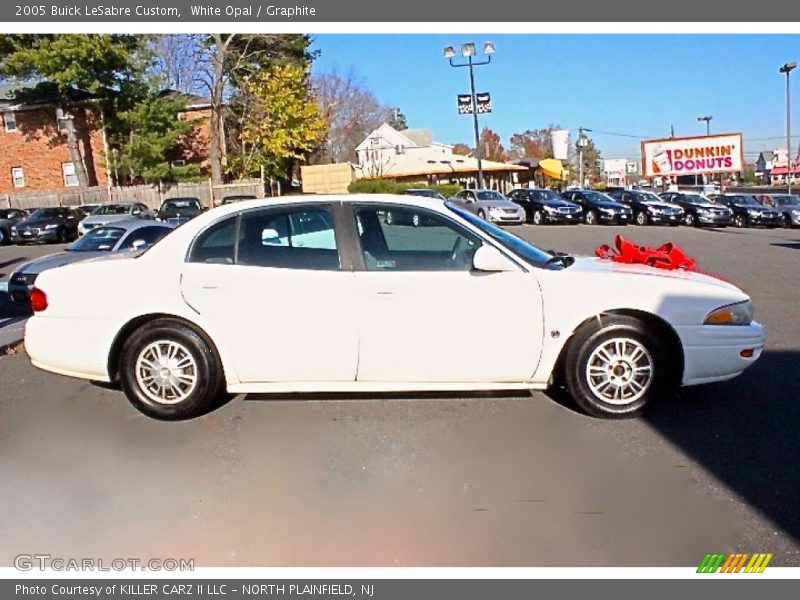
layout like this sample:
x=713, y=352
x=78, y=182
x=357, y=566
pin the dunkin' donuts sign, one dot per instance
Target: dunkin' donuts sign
x=693, y=155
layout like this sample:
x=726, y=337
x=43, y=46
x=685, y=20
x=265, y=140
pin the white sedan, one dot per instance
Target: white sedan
x=323, y=294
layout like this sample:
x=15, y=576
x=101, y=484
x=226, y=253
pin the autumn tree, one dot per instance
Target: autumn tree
x=351, y=111
x=104, y=65
x=284, y=123
x=462, y=149
x=491, y=146
x=533, y=143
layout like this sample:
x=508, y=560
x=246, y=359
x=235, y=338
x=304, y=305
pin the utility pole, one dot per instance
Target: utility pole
x=788, y=68
x=582, y=141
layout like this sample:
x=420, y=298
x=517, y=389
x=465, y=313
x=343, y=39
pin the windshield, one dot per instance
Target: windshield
x=100, y=239
x=490, y=195
x=45, y=213
x=526, y=251
x=112, y=209
x=598, y=197
x=696, y=199
x=646, y=197
x=545, y=195
x=788, y=200
x=744, y=201
x=182, y=203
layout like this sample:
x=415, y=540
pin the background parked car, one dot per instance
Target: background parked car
x=56, y=224
x=237, y=198
x=649, y=208
x=599, y=208
x=88, y=209
x=9, y=217
x=427, y=192
x=112, y=213
x=179, y=210
x=786, y=204
x=545, y=206
x=490, y=205
x=699, y=210
x=749, y=212
x=122, y=236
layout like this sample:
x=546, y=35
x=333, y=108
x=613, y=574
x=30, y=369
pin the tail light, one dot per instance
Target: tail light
x=38, y=300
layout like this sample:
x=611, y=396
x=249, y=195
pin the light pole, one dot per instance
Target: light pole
x=707, y=119
x=468, y=51
x=788, y=68
x=582, y=142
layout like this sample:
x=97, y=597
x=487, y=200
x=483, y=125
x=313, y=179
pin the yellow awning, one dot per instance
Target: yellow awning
x=552, y=168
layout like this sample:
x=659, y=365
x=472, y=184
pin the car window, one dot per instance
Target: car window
x=297, y=238
x=436, y=244
x=100, y=239
x=149, y=235
x=217, y=244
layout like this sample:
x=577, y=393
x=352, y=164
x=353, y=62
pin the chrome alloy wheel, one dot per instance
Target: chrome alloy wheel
x=166, y=372
x=619, y=371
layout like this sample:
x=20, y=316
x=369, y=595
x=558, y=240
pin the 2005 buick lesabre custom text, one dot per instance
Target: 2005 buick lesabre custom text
x=324, y=294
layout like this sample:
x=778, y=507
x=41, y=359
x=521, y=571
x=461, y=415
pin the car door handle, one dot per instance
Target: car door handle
x=384, y=293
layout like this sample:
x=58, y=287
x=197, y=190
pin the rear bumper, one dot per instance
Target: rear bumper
x=713, y=352
x=73, y=347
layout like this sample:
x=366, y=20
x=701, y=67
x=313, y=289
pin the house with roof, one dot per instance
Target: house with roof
x=34, y=155
x=412, y=155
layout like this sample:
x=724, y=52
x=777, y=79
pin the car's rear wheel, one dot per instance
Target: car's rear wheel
x=170, y=372
x=787, y=221
x=689, y=220
x=641, y=218
x=591, y=218
x=538, y=217
x=62, y=236
x=740, y=221
x=615, y=367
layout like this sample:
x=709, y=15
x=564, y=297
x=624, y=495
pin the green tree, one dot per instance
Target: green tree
x=592, y=161
x=153, y=136
x=103, y=65
x=398, y=120
x=284, y=124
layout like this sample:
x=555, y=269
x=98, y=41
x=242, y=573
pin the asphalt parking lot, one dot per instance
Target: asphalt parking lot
x=431, y=480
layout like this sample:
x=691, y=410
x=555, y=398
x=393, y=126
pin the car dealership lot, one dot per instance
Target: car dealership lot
x=432, y=480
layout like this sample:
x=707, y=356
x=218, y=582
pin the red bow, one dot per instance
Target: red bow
x=667, y=256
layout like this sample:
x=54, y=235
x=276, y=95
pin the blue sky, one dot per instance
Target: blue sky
x=631, y=84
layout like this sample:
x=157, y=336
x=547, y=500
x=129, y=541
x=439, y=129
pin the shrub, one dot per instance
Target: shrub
x=374, y=186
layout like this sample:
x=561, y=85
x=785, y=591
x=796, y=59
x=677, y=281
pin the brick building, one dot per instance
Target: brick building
x=33, y=149
x=33, y=146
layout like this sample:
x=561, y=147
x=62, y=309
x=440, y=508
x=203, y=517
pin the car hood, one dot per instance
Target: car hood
x=558, y=203
x=103, y=219
x=590, y=264
x=663, y=205
x=38, y=222
x=497, y=204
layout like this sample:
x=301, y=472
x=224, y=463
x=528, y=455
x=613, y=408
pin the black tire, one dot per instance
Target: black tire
x=787, y=222
x=690, y=220
x=5, y=238
x=591, y=217
x=61, y=235
x=592, y=336
x=740, y=221
x=642, y=219
x=209, y=381
x=538, y=218
x=674, y=224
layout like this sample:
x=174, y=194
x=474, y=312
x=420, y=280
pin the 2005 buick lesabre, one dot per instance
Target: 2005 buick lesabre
x=322, y=294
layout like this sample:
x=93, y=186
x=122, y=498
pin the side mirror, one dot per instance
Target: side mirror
x=139, y=244
x=491, y=260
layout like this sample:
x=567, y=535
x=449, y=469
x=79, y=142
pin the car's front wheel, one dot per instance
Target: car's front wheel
x=689, y=220
x=641, y=218
x=740, y=221
x=615, y=367
x=169, y=371
x=538, y=217
x=591, y=218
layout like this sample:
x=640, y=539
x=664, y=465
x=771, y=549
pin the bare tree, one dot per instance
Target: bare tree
x=182, y=61
x=351, y=111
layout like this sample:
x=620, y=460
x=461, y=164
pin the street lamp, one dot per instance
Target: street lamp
x=582, y=143
x=788, y=68
x=469, y=51
x=708, y=121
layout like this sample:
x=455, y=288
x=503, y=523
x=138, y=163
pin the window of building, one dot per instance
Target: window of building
x=61, y=119
x=70, y=176
x=10, y=119
x=18, y=177
x=177, y=163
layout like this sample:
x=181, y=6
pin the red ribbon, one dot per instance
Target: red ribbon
x=667, y=256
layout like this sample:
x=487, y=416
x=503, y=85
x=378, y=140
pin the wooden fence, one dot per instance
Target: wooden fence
x=151, y=195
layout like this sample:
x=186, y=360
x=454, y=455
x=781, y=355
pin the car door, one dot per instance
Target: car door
x=270, y=285
x=426, y=316
x=467, y=200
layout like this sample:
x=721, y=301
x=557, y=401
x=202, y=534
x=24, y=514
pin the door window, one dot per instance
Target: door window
x=414, y=240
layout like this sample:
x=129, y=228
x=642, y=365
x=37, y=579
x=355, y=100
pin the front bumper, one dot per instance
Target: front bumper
x=713, y=352
x=706, y=219
x=558, y=217
x=615, y=218
x=764, y=220
x=43, y=235
x=665, y=218
x=507, y=219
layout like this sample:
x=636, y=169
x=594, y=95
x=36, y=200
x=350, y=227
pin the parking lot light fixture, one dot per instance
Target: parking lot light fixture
x=469, y=52
x=788, y=68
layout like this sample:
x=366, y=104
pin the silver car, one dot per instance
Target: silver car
x=8, y=218
x=112, y=213
x=133, y=235
x=490, y=205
